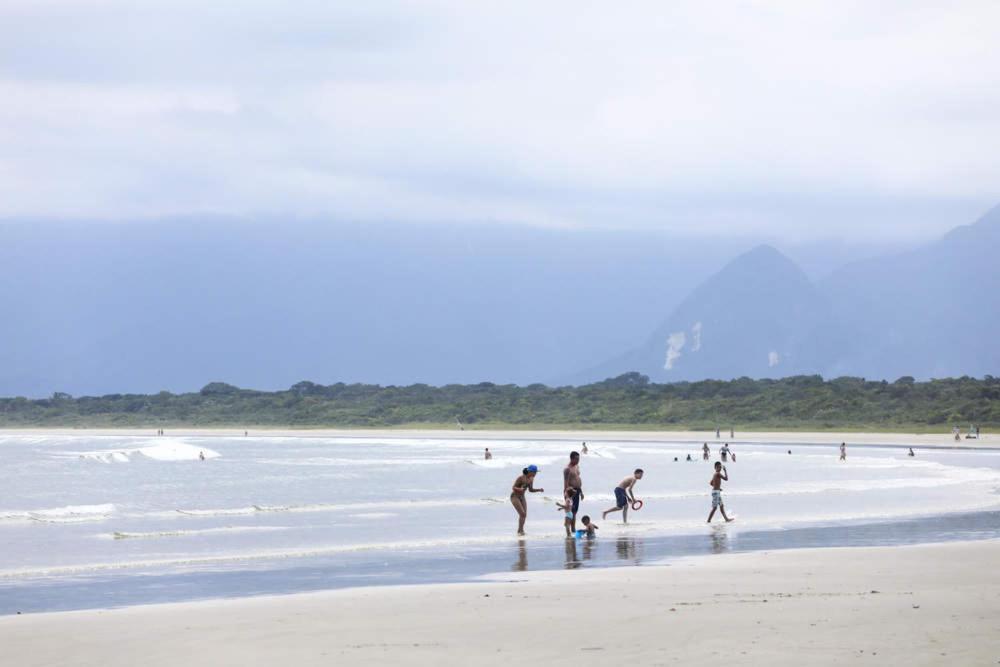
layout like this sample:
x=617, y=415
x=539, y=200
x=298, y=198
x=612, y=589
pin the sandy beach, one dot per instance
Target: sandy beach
x=916, y=605
x=942, y=440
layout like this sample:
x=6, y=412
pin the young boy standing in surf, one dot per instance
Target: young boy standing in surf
x=716, y=484
x=624, y=495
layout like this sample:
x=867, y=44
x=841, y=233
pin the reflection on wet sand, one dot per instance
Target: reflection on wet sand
x=521, y=564
x=720, y=539
x=629, y=548
x=572, y=561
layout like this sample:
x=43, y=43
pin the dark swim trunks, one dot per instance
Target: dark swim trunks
x=576, y=501
x=621, y=500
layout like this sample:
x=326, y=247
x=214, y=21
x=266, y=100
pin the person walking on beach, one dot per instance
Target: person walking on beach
x=716, y=484
x=524, y=482
x=704, y=452
x=573, y=482
x=624, y=495
x=843, y=451
x=724, y=452
x=487, y=456
x=717, y=432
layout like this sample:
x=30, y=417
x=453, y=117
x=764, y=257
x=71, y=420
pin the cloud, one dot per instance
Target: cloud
x=675, y=343
x=696, y=337
x=656, y=115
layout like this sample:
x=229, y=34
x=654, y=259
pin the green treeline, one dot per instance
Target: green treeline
x=629, y=400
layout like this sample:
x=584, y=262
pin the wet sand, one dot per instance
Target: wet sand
x=917, y=605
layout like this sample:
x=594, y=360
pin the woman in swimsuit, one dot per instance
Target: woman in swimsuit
x=525, y=481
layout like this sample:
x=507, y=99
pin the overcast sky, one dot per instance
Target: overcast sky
x=800, y=119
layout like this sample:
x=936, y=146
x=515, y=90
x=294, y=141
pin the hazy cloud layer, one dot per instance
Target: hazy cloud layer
x=799, y=119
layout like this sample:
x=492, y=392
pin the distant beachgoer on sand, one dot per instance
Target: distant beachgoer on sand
x=716, y=484
x=977, y=432
x=487, y=456
x=732, y=433
x=724, y=452
x=704, y=452
x=843, y=451
x=584, y=449
x=572, y=480
x=591, y=528
x=717, y=432
x=911, y=452
x=625, y=495
x=201, y=455
x=524, y=481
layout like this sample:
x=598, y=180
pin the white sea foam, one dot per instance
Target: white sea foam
x=226, y=530
x=171, y=450
x=70, y=513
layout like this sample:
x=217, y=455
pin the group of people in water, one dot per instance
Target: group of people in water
x=572, y=493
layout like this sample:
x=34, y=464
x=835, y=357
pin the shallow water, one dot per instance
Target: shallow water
x=101, y=521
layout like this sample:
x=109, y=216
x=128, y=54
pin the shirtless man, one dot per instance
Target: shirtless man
x=572, y=482
x=624, y=495
x=724, y=452
x=716, y=484
x=704, y=452
x=524, y=482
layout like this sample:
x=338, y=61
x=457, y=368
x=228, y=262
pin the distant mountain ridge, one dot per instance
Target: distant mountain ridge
x=926, y=313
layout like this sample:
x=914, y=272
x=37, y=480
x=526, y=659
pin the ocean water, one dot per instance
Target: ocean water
x=89, y=521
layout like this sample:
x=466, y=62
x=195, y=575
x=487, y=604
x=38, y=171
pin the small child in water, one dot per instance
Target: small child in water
x=590, y=528
x=567, y=506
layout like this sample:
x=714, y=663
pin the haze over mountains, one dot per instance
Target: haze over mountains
x=929, y=312
x=108, y=308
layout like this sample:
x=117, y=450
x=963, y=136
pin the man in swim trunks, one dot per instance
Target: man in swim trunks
x=716, y=484
x=724, y=452
x=624, y=495
x=573, y=482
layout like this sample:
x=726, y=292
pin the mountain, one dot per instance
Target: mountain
x=929, y=312
x=748, y=319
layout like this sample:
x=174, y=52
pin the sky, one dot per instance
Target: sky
x=800, y=121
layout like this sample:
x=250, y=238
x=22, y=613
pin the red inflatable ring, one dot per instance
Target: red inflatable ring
x=637, y=505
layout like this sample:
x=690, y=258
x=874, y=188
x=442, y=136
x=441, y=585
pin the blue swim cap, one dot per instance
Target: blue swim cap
x=532, y=468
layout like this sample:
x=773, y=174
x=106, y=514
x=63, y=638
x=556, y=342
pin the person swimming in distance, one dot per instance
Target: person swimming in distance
x=911, y=452
x=524, y=482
